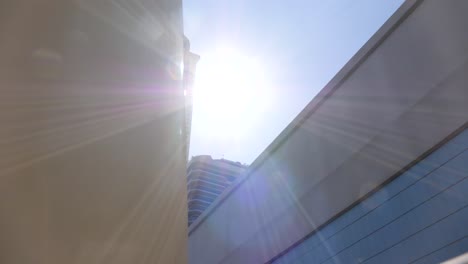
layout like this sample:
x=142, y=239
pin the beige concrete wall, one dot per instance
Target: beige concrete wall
x=92, y=167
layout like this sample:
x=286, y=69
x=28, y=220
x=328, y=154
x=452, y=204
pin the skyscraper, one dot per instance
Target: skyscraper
x=92, y=167
x=207, y=179
x=373, y=170
x=190, y=63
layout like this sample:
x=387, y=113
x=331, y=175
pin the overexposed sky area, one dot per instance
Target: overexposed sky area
x=263, y=61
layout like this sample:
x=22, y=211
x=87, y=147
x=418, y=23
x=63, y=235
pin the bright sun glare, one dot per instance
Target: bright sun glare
x=230, y=90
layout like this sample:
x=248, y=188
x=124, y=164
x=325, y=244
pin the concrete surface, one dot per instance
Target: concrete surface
x=92, y=167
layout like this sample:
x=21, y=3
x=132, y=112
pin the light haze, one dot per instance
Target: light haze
x=263, y=61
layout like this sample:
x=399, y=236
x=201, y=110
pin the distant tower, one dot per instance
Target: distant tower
x=207, y=179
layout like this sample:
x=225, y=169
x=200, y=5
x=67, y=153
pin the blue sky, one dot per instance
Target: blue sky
x=301, y=44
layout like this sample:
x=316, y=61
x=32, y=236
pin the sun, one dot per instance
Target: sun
x=227, y=82
x=229, y=89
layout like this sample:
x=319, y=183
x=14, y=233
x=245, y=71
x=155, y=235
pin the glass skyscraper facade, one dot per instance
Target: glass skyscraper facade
x=207, y=179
